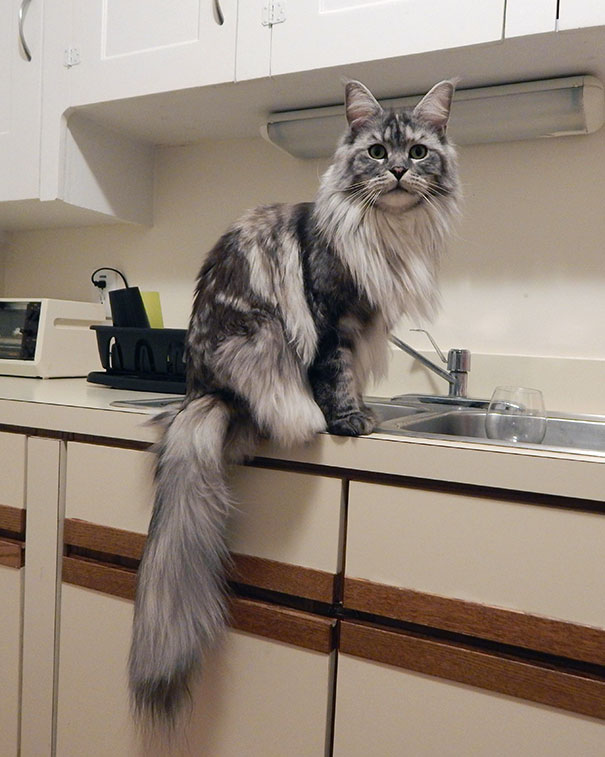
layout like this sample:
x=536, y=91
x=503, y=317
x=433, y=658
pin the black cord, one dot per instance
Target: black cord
x=106, y=268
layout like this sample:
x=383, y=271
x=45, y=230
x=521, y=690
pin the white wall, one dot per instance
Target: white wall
x=524, y=276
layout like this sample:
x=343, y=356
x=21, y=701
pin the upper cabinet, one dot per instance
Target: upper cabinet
x=20, y=98
x=320, y=33
x=530, y=18
x=574, y=14
x=58, y=170
x=89, y=88
x=126, y=49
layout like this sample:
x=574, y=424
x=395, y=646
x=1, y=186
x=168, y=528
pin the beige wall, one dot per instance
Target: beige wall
x=524, y=275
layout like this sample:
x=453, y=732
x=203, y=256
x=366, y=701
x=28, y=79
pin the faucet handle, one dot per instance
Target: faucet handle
x=459, y=360
x=442, y=357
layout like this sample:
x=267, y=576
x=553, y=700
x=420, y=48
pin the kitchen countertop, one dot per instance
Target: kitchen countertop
x=77, y=407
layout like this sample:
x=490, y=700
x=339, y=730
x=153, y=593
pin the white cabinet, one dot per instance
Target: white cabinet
x=12, y=531
x=44, y=496
x=11, y=586
x=127, y=49
x=385, y=710
x=258, y=696
x=271, y=680
x=20, y=99
x=530, y=18
x=574, y=14
x=321, y=33
x=56, y=171
x=528, y=557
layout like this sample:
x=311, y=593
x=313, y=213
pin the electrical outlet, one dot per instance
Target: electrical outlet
x=105, y=280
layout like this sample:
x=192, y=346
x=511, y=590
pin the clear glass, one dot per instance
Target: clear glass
x=516, y=414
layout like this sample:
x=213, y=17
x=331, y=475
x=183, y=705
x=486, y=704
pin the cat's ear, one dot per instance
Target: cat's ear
x=435, y=106
x=360, y=104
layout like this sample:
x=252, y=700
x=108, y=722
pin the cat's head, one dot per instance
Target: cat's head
x=396, y=159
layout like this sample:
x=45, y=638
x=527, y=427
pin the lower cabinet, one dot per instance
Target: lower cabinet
x=268, y=689
x=11, y=592
x=13, y=457
x=449, y=621
x=384, y=710
x=259, y=696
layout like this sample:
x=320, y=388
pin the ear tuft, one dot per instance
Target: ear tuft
x=435, y=106
x=360, y=104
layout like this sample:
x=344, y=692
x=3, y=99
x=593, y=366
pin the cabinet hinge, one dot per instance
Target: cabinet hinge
x=274, y=12
x=71, y=57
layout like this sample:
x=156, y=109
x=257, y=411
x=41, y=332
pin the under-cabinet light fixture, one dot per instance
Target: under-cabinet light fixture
x=504, y=113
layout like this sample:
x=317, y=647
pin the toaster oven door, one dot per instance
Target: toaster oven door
x=19, y=329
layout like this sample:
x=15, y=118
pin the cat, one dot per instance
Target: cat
x=291, y=316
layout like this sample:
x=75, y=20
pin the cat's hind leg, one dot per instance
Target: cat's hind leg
x=264, y=370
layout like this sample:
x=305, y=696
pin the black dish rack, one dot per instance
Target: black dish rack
x=149, y=360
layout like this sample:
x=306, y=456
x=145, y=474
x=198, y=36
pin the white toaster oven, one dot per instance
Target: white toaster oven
x=48, y=338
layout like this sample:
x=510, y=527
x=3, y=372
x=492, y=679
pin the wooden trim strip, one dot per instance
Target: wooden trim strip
x=262, y=619
x=282, y=577
x=109, y=579
x=113, y=541
x=12, y=553
x=282, y=624
x=13, y=519
x=516, y=678
x=247, y=569
x=519, y=629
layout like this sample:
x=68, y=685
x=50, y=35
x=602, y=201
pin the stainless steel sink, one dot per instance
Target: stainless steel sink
x=562, y=432
x=442, y=418
x=387, y=410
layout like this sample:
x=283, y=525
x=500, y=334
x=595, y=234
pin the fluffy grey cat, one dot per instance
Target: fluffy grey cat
x=291, y=316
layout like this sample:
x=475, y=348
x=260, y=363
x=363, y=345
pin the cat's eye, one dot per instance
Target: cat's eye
x=417, y=152
x=378, y=152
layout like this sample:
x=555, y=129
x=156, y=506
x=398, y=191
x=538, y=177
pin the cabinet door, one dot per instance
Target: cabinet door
x=259, y=696
x=530, y=18
x=574, y=14
x=141, y=47
x=44, y=494
x=320, y=33
x=12, y=534
x=20, y=100
x=385, y=710
x=11, y=588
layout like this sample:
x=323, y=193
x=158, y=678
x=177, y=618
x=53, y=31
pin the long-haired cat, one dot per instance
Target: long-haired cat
x=291, y=315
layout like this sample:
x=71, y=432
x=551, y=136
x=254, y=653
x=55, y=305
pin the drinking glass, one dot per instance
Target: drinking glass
x=516, y=414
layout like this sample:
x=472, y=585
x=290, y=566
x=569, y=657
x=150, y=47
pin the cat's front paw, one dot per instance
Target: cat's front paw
x=354, y=424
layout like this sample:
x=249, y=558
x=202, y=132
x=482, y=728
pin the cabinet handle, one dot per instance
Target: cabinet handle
x=11, y=553
x=22, y=12
x=218, y=12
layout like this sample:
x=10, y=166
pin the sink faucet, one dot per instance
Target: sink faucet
x=458, y=364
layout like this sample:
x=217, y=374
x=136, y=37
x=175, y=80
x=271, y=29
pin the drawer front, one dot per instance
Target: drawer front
x=278, y=515
x=284, y=531
x=289, y=517
x=528, y=558
x=109, y=486
x=12, y=470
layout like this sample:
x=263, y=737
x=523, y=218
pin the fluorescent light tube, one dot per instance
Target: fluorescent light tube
x=504, y=113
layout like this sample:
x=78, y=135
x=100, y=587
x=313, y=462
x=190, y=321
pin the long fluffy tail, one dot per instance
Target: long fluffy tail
x=180, y=601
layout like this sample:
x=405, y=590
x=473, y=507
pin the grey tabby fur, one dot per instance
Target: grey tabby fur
x=291, y=315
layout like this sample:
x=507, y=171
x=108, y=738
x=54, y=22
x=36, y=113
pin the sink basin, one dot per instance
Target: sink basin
x=562, y=432
x=386, y=410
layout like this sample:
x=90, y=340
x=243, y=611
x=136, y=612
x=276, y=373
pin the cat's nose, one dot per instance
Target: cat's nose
x=397, y=171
